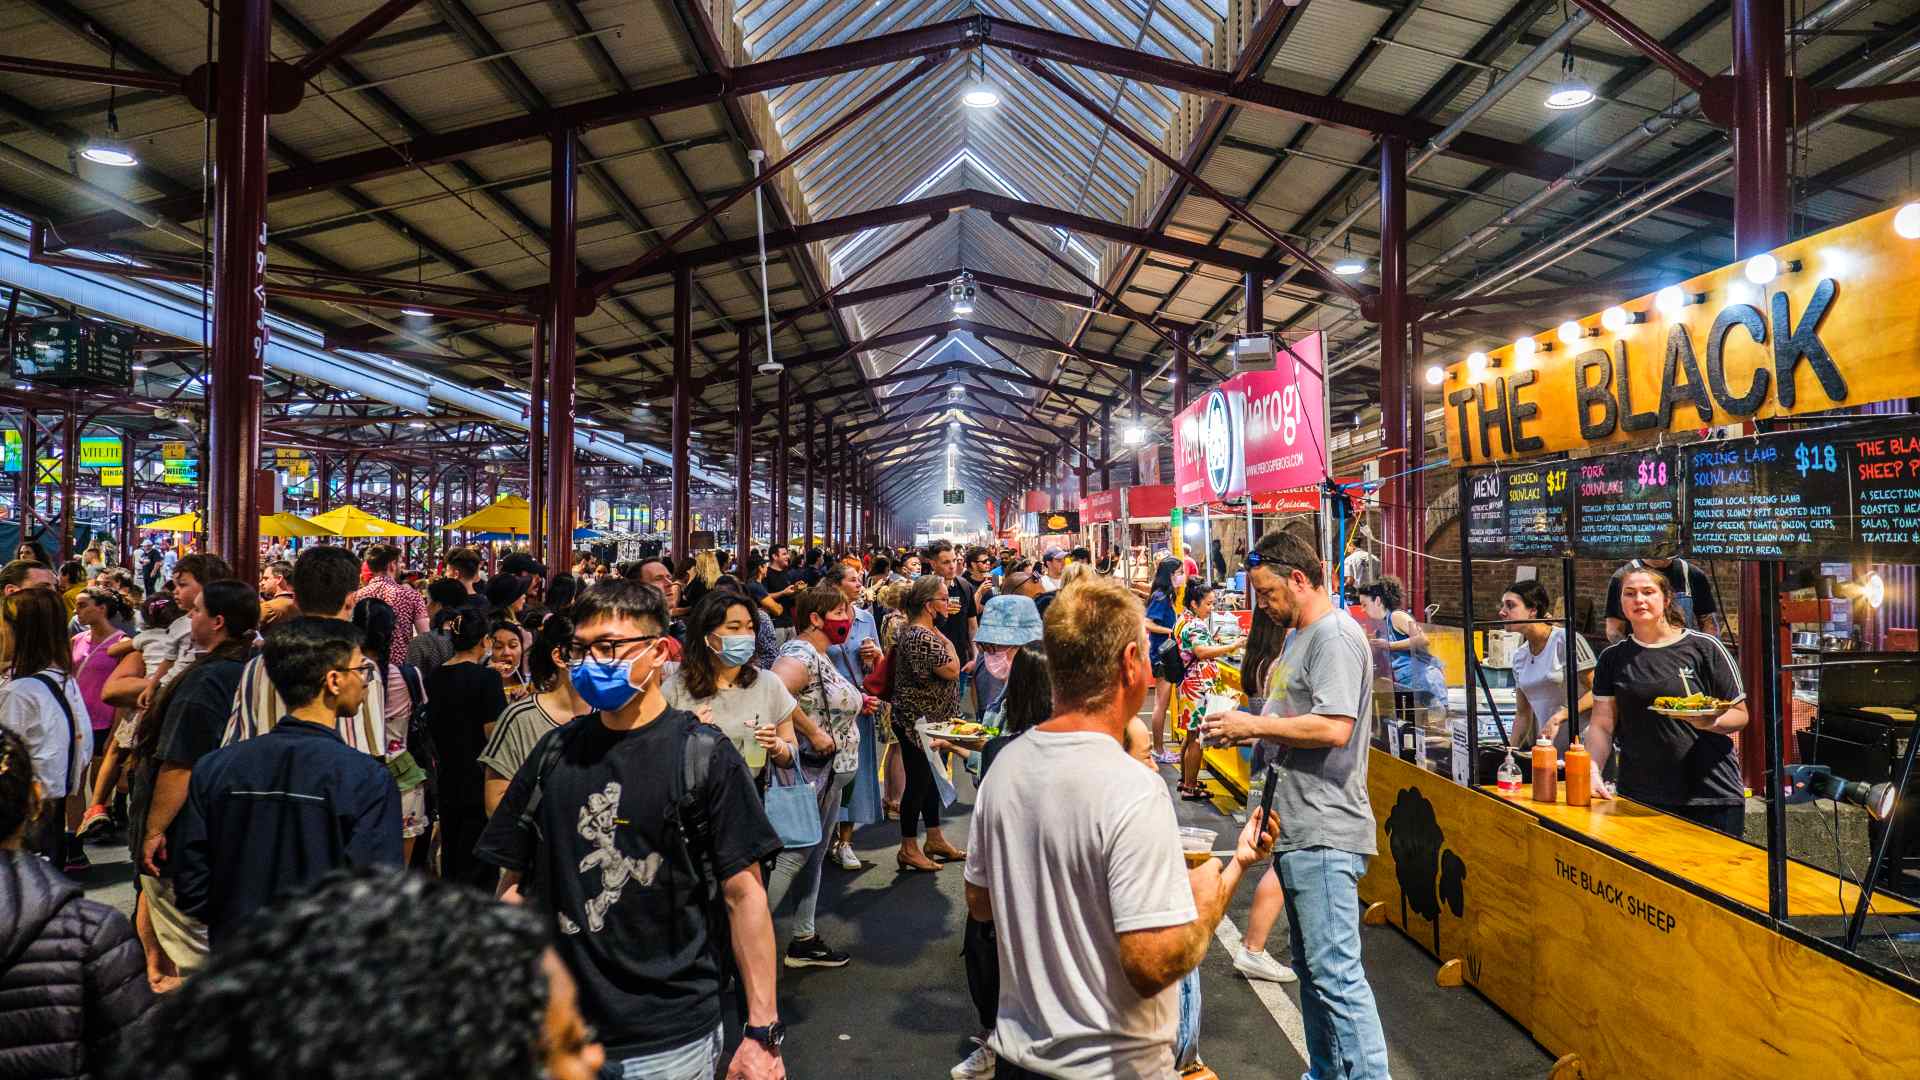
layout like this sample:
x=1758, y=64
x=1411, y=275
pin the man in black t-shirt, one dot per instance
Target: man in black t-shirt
x=639, y=901
x=782, y=582
x=1693, y=595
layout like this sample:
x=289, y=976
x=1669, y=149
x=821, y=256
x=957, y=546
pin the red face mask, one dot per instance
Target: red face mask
x=837, y=630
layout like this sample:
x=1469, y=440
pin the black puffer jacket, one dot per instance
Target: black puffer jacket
x=72, y=976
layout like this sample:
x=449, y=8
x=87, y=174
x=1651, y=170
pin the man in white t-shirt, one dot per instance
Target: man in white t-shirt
x=1076, y=859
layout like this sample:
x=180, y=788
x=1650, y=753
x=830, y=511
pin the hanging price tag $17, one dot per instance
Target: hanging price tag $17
x=1815, y=459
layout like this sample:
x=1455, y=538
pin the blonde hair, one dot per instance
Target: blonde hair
x=1074, y=572
x=706, y=568
x=1088, y=627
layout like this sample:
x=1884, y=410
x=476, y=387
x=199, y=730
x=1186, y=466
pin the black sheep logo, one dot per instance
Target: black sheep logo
x=1428, y=872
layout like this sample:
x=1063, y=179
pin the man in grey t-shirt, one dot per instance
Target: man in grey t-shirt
x=1320, y=713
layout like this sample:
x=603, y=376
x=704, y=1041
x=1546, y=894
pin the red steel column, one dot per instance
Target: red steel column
x=807, y=453
x=1180, y=335
x=563, y=279
x=537, y=445
x=69, y=468
x=682, y=410
x=236, y=363
x=1394, y=421
x=830, y=527
x=29, y=472
x=743, y=445
x=1762, y=219
x=1080, y=470
x=127, y=481
x=782, y=455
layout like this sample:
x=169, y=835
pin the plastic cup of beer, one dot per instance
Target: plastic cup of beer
x=1196, y=845
x=755, y=754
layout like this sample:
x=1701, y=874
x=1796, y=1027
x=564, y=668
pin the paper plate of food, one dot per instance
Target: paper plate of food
x=1691, y=707
x=959, y=730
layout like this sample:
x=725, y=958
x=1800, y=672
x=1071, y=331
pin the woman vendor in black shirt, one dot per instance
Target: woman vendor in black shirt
x=1685, y=767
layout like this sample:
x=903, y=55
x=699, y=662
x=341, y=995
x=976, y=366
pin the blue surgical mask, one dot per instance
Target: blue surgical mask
x=607, y=685
x=736, y=651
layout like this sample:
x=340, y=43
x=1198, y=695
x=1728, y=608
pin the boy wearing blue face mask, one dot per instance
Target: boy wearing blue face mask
x=595, y=829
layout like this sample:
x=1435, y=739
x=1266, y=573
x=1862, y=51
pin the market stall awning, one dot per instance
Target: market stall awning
x=511, y=515
x=282, y=524
x=351, y=521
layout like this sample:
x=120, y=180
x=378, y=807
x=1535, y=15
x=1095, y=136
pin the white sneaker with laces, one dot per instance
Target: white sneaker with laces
x=1259, y=965
x=979, y=1064
x=846, y=858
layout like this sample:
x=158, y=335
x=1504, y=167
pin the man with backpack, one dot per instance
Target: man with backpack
x=641, y=830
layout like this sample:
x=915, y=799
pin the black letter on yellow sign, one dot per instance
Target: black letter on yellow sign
x=1590, y=395
x=1791, y=344
x=1523, y=411
x=1672, y=391
x=1629, y=419
x=1493, y=414
x=1745, y=315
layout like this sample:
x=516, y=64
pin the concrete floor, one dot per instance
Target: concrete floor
x=901, y=1009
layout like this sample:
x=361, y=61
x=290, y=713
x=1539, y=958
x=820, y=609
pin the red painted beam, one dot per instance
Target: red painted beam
x=1648, y=45
x=54, y=69
x=370, y=24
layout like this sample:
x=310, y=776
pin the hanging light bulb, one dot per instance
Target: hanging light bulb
x=1524, y=348
x=416, y=313
x=1436, y=375
x=1134, y=435
x=980, y=94
x=1476, y=364
x=110, y=150
x=1571, y=332
x=1906, y=222
x=1571, y=92
x=1349, y=264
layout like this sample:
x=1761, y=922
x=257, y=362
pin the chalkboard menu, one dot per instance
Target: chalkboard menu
x=1627, y=505
x=1486, y=514
x=1773, y=497
x=1539, y=509
x=1835, y=493
x=1884, y=469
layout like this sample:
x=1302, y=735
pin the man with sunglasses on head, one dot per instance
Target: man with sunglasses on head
x=272, y=815
x=1319, y=712
x=640, y=829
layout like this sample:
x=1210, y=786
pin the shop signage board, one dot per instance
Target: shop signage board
x=953, y=496
x=1831, y=326
x=1100, y=506
x=1627, y=505
x=180, y=472
x=175, y=451
x=1258, y=431
x=1850, y=491
x=113, y=476
x=99, y=451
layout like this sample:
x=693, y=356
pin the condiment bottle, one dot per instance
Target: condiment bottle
x=1507, y=780
x=1545, y=764
x=1579, y=774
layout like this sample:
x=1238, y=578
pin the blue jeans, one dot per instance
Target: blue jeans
x=1344, y=1039
x=697, y=1060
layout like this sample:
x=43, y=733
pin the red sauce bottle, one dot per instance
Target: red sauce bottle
x=1546, y=764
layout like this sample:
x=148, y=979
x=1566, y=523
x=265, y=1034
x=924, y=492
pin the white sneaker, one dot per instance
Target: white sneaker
x=1258, y=965
x=978, y=1066
x=843, y=854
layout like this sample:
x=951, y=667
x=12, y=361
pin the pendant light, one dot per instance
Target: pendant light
x=1571, y=92
x=110, y=150
x=980, y=94
x=1349, y=264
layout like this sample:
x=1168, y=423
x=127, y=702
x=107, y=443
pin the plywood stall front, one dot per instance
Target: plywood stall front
x=1640, y=978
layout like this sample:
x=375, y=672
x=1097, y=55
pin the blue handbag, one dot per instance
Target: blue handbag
x=793, y=809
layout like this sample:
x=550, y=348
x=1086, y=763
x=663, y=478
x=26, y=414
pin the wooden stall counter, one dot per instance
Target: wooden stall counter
x=1629, y=943
x=1732, y=868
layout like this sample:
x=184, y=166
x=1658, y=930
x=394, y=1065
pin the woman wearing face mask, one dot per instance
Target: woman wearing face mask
x=467, y=698
x=718, y=682
x=821, y=617
x=553, y=703
x=1006, y=623
x=1168, y=577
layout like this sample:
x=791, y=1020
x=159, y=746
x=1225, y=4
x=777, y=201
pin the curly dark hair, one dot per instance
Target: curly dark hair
x=376, y=972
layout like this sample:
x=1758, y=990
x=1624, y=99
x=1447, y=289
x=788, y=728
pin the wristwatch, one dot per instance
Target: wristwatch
x=770, y=1036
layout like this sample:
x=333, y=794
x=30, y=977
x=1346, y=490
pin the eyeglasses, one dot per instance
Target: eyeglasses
x=606, y=650
x=365, y=669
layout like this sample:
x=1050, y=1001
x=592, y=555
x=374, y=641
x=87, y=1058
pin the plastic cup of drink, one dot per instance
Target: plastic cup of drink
x=755, y=754
x=1219, y=703
x=1196, y=845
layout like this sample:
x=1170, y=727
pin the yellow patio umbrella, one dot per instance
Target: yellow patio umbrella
x=511, y=514
x=351, y=521
x=285, y=524
x=282, y=524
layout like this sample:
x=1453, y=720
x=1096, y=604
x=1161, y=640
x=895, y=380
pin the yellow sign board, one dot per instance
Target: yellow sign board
x=1822, y=323
x=49, y=471
x=99, y=451
x=175, y=451
x=113, y=476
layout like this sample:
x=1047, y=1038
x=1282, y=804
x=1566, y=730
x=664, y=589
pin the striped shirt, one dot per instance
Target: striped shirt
x=257, y=708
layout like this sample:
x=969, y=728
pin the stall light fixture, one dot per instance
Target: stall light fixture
x=1906, y=222
x=1571, y=92
x=416, y=424
x=416, y=313
x=1876, y=590
x=1350, y=266
x=1670, y=300
x=1617, y=319
x=109, y=152
x=980, y=94
x=1571, y=332
x=1762, y=269
x=1436, y=375
x=1476, y=365
x=1739, y=292
x=1524, y=348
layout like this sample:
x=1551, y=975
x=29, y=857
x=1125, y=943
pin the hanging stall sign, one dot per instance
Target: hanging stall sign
x=49, y=472
x=1628, y=505
x=1783, y=496
x=113, y=476
x=175, y=451
x=12, y=451
x=99, y=451
x=1486, y=514
x=1149, y=502
x=1539, y=509
x=1100, y=507
x=1059, y=521
x=180, y=472
x=1258, y=431
x=1825, y=322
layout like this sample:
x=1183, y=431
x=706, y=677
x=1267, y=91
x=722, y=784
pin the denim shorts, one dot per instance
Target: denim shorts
x=697, y=1060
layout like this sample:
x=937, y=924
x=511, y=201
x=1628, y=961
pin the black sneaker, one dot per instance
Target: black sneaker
x=814, y=952
x=77, y=861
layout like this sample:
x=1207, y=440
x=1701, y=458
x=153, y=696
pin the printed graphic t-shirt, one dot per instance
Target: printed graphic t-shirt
x=631, y=913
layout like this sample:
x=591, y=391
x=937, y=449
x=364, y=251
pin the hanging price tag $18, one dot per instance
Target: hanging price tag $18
x=1815, y=459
